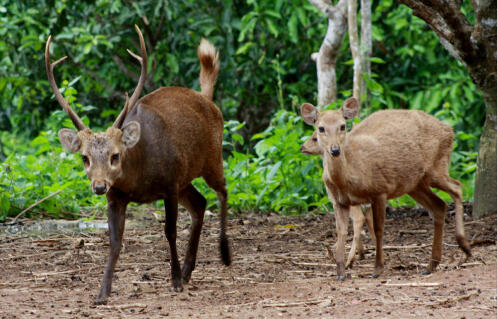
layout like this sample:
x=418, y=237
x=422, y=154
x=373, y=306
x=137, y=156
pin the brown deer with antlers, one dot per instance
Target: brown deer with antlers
x=390, y=153
x=157, y=145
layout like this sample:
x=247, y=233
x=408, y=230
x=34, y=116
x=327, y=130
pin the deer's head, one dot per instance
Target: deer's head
x=102, y=152
x=311, y=146
x=331, y=126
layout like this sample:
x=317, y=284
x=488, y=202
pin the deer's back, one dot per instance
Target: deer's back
x=180, y=132
x=395, y=149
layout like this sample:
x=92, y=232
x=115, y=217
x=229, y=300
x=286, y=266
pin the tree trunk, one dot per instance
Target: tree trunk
x=328, y=52
x=354, y=48
x=366, y=44
x=475, y=46
x=485, y=198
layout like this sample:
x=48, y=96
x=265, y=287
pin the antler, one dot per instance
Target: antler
x=65, y=105
x=120, y=119
x=143, y=75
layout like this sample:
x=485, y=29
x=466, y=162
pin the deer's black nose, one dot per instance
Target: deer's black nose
x=100, y=189
x=335, y=151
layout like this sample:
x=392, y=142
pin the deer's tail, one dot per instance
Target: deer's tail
x=209, y=67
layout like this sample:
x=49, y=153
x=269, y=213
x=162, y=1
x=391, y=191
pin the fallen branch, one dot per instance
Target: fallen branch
x=414, y=231
x=414, y=284
x=294, y=304
x=313, y=264
x=406, y=247
x=35, y=204
x=120, y=307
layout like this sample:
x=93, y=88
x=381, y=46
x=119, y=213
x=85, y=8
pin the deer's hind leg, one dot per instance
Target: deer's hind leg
x=215, y=179
x=357, y=221
x=454, y=189
x=425, y=196
x=378, y=206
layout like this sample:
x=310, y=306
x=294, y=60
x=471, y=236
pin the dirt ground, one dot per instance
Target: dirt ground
x=281, y=269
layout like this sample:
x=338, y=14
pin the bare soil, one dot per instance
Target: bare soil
x=281, y=269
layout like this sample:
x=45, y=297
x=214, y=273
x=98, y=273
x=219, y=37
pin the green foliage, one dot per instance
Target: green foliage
x=266, y=69
x=278, y=177
x=35, y=171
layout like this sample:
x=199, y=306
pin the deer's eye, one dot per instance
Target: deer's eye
x=321, y=129
x=86, y=160
x=314, y=139
x=342, y=127
x=114, y=159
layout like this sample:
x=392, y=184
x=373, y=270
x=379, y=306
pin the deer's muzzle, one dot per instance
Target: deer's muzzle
x=335, y=151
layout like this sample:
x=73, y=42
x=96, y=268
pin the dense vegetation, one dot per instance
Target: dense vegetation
x=266, y=73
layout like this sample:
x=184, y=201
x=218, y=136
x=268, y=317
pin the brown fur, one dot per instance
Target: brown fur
x=312, y=147
x=209, y=61
x=390, y=153
x=170, y=137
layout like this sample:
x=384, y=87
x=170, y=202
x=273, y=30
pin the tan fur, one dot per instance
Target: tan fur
x=390, y=153
x=312, y=147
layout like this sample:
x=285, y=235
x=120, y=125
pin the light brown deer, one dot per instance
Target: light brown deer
x=311, y=147
x=390, y=153
x=155, y=148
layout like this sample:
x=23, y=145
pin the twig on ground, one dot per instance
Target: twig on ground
x=36, y=204
x=406, y=247
x=413, y=231
x=413, y=284
x=121, y=307
x=294, y=304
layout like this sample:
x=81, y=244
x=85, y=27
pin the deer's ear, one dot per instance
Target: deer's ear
x=69, y=140
x=309, y=113
x=350, y=108
x=131, y=134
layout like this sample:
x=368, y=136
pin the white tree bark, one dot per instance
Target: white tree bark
x=366, y=41
x=354, y=48
x=328, y=52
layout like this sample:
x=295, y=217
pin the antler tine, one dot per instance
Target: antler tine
x=138, y=90
x=120, y=119
x=65, y=105
x=143, y=73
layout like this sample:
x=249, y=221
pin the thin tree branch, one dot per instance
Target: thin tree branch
x=94, y=75
x=460, y=27
x=437, y=24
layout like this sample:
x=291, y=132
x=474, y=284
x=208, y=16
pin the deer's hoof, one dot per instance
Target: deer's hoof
x=100, y=301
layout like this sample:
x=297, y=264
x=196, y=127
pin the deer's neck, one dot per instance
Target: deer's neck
x=336, y=169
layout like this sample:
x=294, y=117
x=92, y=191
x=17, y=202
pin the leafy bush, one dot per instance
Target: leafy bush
x=30, y=175
x=278, y=177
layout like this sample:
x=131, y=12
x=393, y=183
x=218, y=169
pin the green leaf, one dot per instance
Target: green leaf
x=273, y=171
x=244, y=48
x=292, y=28
x=377, y=60
x=172, y=63
x=272, y=27
x=237, y=138
x=87, y=48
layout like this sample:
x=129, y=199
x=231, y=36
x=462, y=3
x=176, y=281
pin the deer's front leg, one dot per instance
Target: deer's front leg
x=116, y=207
x=171, y=205
x=342, y=223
